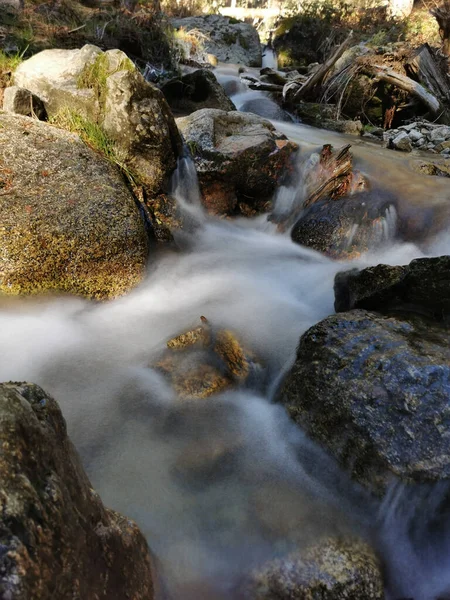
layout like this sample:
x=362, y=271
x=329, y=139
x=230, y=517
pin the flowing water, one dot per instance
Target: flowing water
x=220, y=485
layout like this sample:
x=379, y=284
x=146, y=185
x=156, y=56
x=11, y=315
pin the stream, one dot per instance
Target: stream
x=220, y=485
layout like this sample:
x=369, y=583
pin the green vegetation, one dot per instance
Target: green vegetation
x=8, y=64
x=93, y=136
x=95, y=74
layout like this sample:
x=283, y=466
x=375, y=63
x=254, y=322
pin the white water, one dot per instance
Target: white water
x=209, y=520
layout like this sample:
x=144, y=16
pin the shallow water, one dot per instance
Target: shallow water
x=222, y=484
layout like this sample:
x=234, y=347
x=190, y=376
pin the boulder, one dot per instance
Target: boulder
x=22, y=102
x=422, y=287
x=107, y=88
x=240, y=159
x=347, y=227
x=230, y=41
x=330, y=569
x=69, y=222
x=57, y=539
x=374, y=391
x=194, y=91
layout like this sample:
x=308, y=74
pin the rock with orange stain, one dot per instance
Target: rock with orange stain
x=240, y=158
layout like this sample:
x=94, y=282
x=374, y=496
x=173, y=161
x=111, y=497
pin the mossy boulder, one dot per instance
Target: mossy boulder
x=57, y=539
x=240, y=159
x=69, y=222
x=107, y=88
x=330, y=569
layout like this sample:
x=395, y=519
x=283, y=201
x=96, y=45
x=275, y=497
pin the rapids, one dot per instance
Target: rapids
x=150, y=456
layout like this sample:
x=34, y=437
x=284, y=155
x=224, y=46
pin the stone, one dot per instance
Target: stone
x=346, y=227
x=53, y=75
x=423, y=287
x=107, y=88
x=230, y=41
x=69, y=222
x=440, y=134
x=402, y=142
x=194, y=91
x=22, y=102
x=374, y=391
x=330, y=569
x=240, y=159
x=57, y=539
x=415, y=135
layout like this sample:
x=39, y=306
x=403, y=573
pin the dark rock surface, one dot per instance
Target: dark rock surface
x=422, y=287
x=375, y=391
x=194, y=91
x=57, y=540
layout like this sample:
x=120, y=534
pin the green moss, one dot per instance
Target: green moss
x=94, y=75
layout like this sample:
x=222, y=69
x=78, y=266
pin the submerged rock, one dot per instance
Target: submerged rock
x=69, y=223
x=331, y=569
x=374, y=391
x=230, y=41
x=349, y=226
x=195, y=91
x=240, y=159
x=57, y=539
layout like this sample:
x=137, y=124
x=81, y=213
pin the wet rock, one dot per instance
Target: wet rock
x=57, y=539
x=423, y=135
x=331, y=569
x=374, y=391
x=195, y=91
x=422, y=287
x=240, y=159
x=107, y=88
x=69, y=222
x=22, y=102
x=266, y=108
x=346, y=227
x=323, y=116
x=230, y=42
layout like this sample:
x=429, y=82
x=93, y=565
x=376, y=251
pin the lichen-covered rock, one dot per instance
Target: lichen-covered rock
x=230, y=42
x=240, y=159
x=68, y=221
x=346, y=227
x=57, y=539
x=194, y=91
x=107, y=88
x=331, y=569
x=422, y=287
x=374, y=390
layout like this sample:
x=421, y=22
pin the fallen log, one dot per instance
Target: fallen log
x=428, y=71
x=266, y=87
x=403, y=82
x=318, y=76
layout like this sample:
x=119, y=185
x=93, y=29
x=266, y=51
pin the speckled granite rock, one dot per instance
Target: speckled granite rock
x=69, y=223
x=331, y=569
x=57, y=540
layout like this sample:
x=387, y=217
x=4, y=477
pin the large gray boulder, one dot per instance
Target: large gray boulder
x=57, y=539
x=240, y=159
x=373, y=387
x=107, y=88
x=68, y=221
x=231, y=42
x=330, y=569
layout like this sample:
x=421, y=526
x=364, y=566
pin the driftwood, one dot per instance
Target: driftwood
x=424, y=67
x=332, y=177
x=318, y=76
x=388, y=75
x=442, y=15
x=266, y=87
